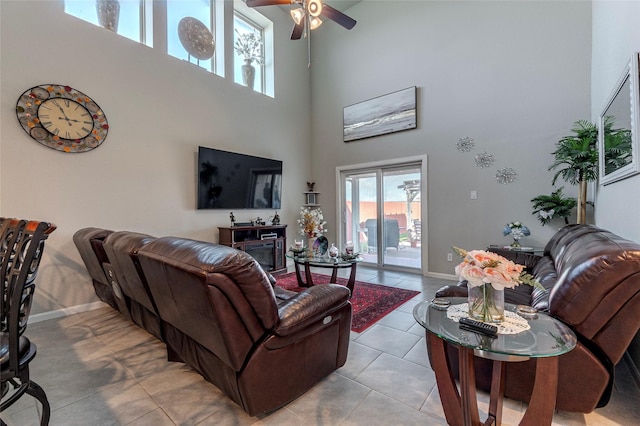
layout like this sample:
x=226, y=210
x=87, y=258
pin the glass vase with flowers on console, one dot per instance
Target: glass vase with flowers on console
x=517, y=230
x=487, y=275
x=312, y=225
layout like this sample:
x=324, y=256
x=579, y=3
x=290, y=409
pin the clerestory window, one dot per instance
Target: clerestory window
x=190, y=32
x=128, y=18
x=248, y=60
x=194, y=31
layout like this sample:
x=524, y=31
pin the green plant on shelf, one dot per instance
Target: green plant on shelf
x=551, y=206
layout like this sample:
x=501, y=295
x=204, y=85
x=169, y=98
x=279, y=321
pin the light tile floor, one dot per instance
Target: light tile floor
x=99, y=369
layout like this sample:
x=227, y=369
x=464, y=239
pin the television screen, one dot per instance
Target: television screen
x=228, y=180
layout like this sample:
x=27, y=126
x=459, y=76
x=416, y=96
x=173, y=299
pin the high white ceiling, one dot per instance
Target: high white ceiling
x=342, y=5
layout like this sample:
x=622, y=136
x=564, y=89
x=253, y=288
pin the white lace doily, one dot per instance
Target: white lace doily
x=512, y=324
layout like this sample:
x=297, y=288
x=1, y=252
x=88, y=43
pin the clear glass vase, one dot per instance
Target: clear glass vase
x=486, y=304
x=310, y=249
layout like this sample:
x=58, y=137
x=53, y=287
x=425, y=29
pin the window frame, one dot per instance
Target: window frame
x=154, y=33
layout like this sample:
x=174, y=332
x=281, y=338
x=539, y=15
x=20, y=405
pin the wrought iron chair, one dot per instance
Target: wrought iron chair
x=21, y=248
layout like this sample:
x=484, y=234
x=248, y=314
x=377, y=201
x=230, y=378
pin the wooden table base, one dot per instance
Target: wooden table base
x=308, y=282
x=461, y=407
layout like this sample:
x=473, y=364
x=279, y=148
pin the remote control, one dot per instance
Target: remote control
x=478, y=326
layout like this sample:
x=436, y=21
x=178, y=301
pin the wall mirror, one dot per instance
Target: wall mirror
x=618, y=129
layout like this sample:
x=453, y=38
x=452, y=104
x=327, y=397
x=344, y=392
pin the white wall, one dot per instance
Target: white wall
x=513, y=76
x=616, y=35
x=143, y=177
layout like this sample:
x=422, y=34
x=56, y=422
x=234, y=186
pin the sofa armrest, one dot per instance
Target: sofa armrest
x=528, y=260
x=309, y=306
x=459, y=290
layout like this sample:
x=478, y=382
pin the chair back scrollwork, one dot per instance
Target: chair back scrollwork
x=21, y=248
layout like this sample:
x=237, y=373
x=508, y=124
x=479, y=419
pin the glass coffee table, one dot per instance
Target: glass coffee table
x=546, y=339
x=333, y=263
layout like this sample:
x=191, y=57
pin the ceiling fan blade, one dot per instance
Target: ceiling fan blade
x=337, y=16
x=258, y=3
x=296, y=34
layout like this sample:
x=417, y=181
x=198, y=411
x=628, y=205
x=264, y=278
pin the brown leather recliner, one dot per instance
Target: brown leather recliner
x=122, y=266
x=223, y=319
x=592, y=284
x=89, y=242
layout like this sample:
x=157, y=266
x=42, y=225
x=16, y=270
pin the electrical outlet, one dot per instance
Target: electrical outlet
x=474, y=195
x=450, y=257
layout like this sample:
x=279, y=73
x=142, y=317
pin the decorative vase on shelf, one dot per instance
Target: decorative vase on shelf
x=486, y=304
x=333, y=251
x=515, y=243
x=248, y=74
x=108, y=14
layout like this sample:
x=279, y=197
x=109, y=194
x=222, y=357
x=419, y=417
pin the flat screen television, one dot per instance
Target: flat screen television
x=228, y=180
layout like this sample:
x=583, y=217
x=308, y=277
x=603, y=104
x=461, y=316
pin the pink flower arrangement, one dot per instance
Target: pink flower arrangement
x=481, y=267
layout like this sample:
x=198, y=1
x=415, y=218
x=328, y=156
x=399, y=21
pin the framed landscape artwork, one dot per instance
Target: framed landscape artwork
x=389, y=113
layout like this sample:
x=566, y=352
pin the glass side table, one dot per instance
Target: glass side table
x=545, y=341
x=334, y=263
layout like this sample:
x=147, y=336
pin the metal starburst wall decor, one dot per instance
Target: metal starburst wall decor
x=506, y=175
x=465, y=144
x=484, y=160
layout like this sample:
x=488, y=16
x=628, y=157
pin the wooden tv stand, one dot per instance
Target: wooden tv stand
x=265, y=243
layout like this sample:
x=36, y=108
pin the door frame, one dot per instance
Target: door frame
x=341, y=214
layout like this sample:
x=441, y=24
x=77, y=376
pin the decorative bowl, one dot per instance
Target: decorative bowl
x=349, y=256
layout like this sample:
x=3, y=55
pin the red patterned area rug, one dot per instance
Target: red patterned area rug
x=370, y=301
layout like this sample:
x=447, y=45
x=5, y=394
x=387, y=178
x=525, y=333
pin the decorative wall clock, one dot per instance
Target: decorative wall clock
x=62, y=118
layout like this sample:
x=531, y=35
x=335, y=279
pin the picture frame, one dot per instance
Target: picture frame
x=390, y=113
x=311, y=198
x=618, y=129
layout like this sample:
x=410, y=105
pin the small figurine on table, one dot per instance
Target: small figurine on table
x=276, y=219
x=233, y=219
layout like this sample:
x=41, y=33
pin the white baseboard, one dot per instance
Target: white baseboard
x=442, y=276
x=44, y=316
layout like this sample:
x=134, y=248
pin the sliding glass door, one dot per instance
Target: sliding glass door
x=381, y=214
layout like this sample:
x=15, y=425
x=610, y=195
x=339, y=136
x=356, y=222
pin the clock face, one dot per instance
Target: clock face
x=65, y=118
x=62, y=118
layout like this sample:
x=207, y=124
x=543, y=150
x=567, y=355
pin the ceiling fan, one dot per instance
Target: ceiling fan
x=307, y=16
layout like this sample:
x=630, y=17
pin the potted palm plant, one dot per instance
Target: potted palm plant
x=576, y=157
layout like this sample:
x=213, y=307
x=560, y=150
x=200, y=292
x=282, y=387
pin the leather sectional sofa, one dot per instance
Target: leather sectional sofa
x=592, y=283
x=220, y=313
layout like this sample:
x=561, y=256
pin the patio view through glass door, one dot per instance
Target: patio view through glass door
x=392, y=193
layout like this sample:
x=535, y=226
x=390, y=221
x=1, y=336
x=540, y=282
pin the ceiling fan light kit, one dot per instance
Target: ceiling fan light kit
x=297, y=15
x=314, y=7
x=307, y=16
x=314, y=22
